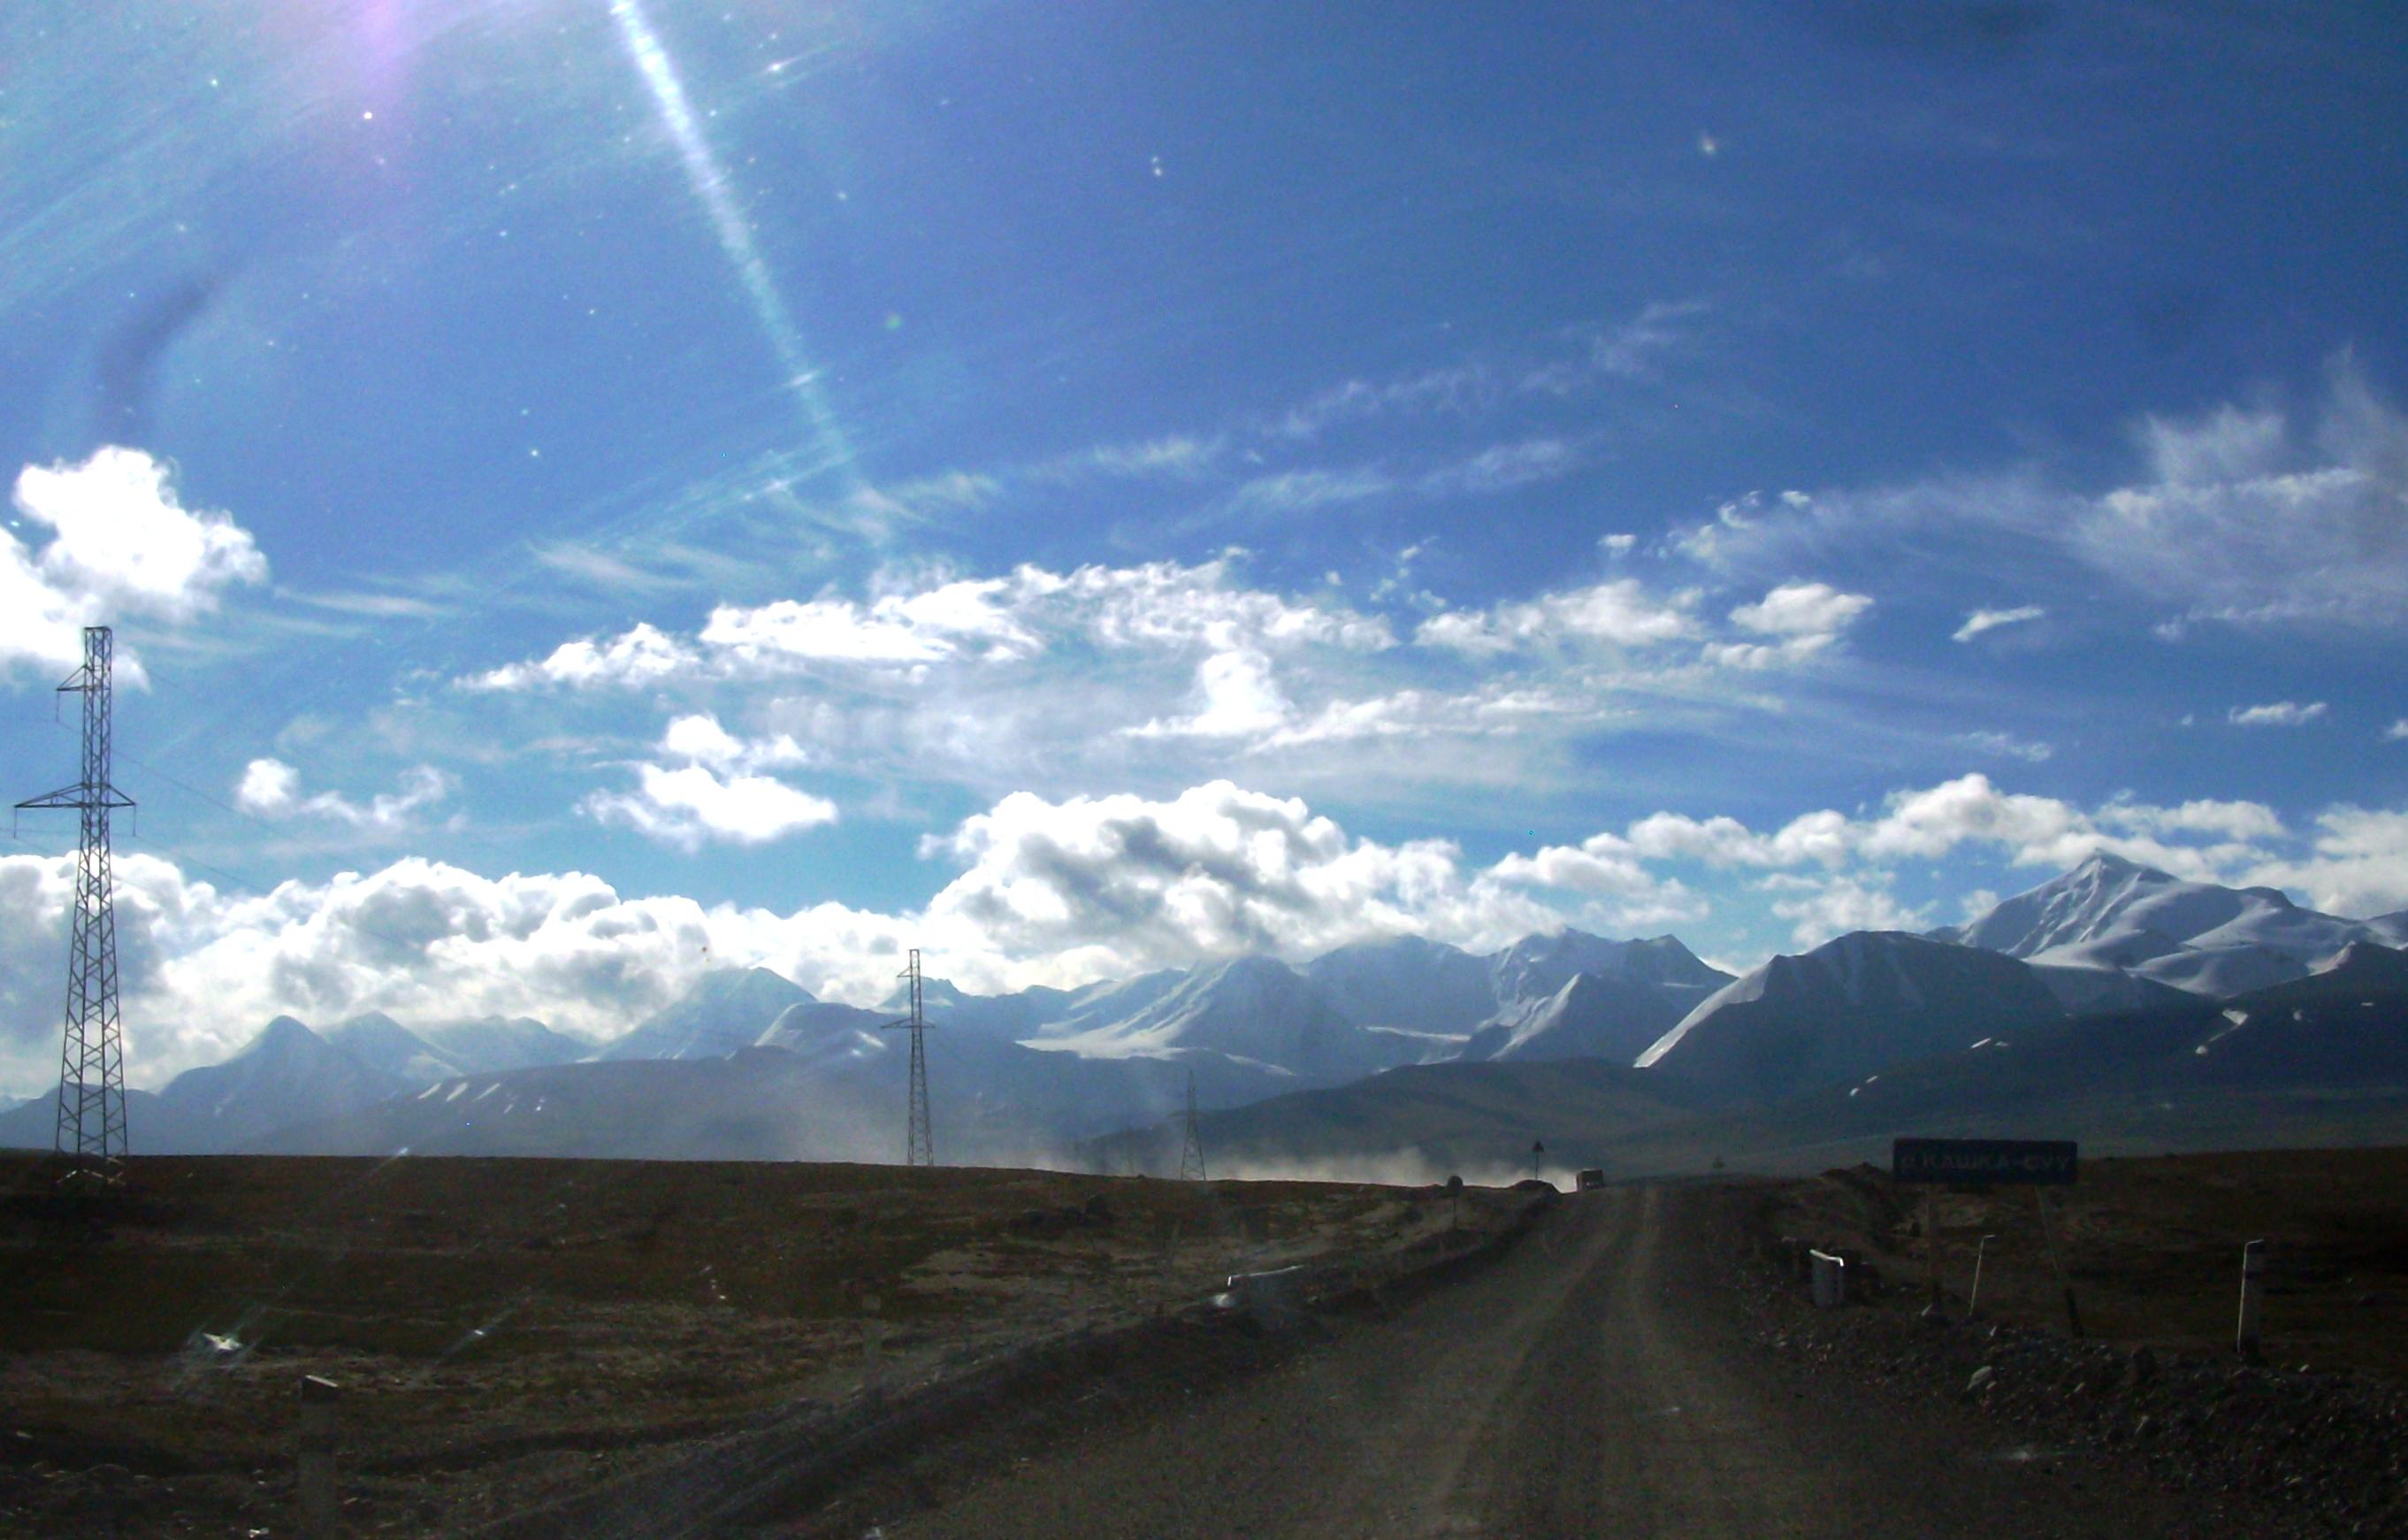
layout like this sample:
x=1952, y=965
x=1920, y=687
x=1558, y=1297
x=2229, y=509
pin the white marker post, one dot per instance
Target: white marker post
x=1981, y=1254
x=313, y=1491
x=2253, y=1292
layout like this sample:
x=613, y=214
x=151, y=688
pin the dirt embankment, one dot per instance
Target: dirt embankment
x=507, y=1330
x=2312, y=1441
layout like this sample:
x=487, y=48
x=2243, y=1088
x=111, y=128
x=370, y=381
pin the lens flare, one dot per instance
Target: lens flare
x=709, y=180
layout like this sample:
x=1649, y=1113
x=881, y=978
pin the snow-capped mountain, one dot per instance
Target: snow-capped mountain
x=388, y=1047
x=1405, y=982
x=1591, y=1017
x=1254, y=1011
x=1850, y=1008
x=487, y=1045
x=2214, y=942
x=824, y=1033
x=727, y=1009
x=286, y=1071
x=1538, y=966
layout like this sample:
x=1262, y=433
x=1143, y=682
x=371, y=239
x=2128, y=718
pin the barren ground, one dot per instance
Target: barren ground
x=2153, y=1249
x=507, y=1330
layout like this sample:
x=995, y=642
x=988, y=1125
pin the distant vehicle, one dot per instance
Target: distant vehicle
x=1591, y=1178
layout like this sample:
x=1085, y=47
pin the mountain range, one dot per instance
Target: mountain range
x=748, y=1064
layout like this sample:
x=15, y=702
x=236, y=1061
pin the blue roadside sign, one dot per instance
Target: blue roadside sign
x=2032, y=1162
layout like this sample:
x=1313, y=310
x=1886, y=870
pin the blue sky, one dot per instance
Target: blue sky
x=595, y=489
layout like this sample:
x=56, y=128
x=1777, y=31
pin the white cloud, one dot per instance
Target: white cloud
x=1822, y=910
x=1620, y=612
x=271, y=788
x=1287, y=492
x=2247, y=517
x=1938, y=821
x=2358, y=863
x=963, y=621
x=692, y=805
x=1806, y=618
x=1979, y=621
x=2203, y=816
x=1059, y=892
x=2007, y=745
x=2279, y=713
x=2397, y=732
x=1108, y=885
x=1236, y=697
x=1802, y=609
x=700, y=737
x=641, y=655
x=1502, y=467
x=718, y=794
x=121, y=543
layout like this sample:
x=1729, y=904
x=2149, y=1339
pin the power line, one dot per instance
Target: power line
x=1191, y=1156
x=920, y=1142
x=90, y=1130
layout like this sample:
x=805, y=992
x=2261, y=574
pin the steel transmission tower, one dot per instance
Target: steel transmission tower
x=921, y=1146
x=91, y=1060
x=1191, y=1156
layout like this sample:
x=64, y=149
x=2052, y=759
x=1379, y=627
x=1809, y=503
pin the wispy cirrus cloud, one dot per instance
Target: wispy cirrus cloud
x=2247, y=517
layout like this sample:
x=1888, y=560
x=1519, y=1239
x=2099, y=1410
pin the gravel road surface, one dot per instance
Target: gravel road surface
x=1593, y=1382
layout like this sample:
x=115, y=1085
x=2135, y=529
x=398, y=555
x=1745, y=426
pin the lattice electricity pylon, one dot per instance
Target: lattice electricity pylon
x=92, y=1060
x=919, y=1139
x=1191, y=1157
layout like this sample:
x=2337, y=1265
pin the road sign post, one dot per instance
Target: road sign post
x=2035, y=1163
x=2253, y=1292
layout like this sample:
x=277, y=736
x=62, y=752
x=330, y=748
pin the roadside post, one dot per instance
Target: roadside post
x=1931, y=1246
x=2036, y=1163
x=1981, y=1255
x=2253, y=1293
x=1455, y=1198
x=1829, y=1275
x=2056, y=1264
x=873, y=1341
x=313, y=1488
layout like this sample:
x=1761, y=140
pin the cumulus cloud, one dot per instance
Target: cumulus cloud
x=2357, y=864
x=968, y=621
x=718, y=794
x=1055, y=892
x=1621, y=612
x=1821, y=910
x=2278, y=714
x=1804, y=618
x=1047, y=891
x=1938, y=821
x=643, y=654
x=119, y=543
x=2397, y=732
x=1105, y=885
x=1236, y=697
x=1979, y=621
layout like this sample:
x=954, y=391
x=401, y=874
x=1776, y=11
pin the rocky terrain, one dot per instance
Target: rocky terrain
x=2310, y=1441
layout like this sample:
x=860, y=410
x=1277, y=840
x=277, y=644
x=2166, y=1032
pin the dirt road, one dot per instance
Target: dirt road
x=1594, y=1381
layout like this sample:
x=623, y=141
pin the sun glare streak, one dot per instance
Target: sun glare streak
x=708, y=181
